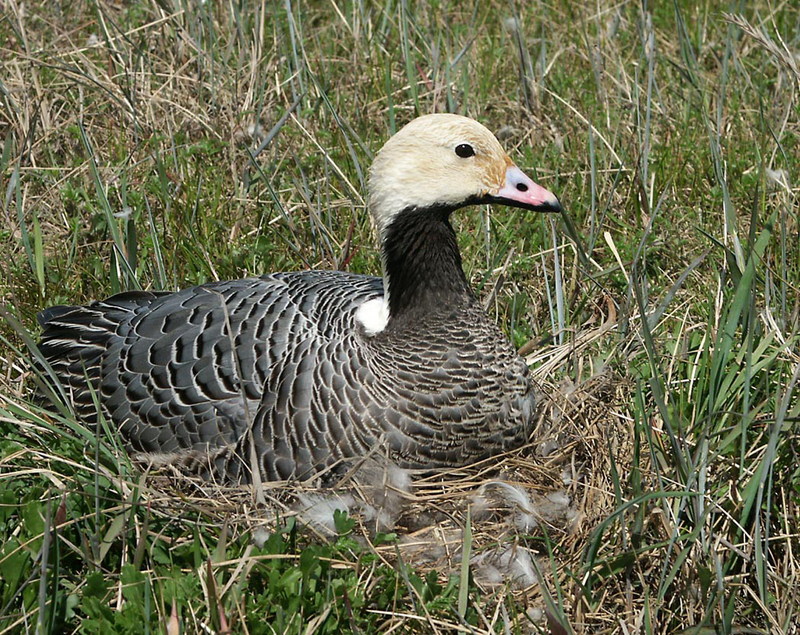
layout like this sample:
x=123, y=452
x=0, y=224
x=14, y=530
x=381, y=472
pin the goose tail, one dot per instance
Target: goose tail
x=73, y=341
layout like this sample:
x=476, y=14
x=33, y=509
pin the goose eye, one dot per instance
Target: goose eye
x=464, y=150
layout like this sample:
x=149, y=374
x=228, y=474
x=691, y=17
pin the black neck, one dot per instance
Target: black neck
x=423, y=264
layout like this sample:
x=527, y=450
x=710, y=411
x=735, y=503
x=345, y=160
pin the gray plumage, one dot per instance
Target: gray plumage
x=172, y=374
x=281, y=368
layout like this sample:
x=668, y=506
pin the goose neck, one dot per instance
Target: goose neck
x=423, y=270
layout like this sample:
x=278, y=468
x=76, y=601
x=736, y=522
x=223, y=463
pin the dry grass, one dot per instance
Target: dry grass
x=164, y=143
x=581, y=429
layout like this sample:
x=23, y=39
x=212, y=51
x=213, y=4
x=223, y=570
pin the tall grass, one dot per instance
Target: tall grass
x=160, y=144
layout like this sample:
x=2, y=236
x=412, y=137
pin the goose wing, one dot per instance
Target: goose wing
x=188, y=370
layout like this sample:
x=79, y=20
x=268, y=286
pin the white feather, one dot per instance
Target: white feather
x=317, y=511
x=383, y=489
x=559, y=499
x=498, y=566
x=373, y=315
x=495, y=493
x=259, y=536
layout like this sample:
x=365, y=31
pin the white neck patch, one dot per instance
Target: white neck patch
x=373, y=315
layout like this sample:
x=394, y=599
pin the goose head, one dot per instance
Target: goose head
x=445, y=162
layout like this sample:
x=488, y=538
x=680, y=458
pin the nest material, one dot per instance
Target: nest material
x=559, y=484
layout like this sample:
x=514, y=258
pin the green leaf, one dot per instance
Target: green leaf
x=132, y=585
x=114, y=530
x=463, y=590
x=14, y=564
x=96, y=585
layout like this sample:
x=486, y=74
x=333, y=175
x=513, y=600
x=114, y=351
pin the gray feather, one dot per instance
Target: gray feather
x=282, y=355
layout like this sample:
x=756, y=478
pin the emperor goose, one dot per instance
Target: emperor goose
x=300, y=372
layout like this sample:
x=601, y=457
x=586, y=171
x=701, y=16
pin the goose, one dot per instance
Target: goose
x=293, y=374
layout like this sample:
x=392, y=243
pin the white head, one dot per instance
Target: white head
x=446, y=160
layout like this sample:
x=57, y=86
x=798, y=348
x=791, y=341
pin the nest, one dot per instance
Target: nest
x=558, y=486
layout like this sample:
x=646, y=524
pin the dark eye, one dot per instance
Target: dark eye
x=465, y=151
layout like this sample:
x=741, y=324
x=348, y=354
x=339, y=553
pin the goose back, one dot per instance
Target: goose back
x=280, y=365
